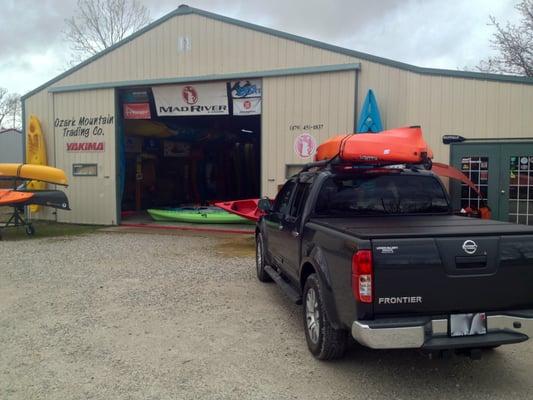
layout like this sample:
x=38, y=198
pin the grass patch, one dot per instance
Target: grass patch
x=45, y=229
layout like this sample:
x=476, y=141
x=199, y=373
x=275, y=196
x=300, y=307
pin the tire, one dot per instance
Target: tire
x=30, y=230
x=323, y=341
x=260, y=259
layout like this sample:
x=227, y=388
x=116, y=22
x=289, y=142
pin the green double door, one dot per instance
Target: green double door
x=504, y=174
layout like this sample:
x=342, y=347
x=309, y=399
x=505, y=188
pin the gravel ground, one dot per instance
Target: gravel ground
x=138, y=316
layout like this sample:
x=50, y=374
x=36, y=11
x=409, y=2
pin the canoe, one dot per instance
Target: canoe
x=395, y=146
x=196, y=216
x=35, y=154
x=41, y=173
x=13, y=197
x=244, y=208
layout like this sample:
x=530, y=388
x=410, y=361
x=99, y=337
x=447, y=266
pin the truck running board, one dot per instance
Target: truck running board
x=291, y=293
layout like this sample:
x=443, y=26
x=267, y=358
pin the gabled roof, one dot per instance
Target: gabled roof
x=9, y=130
x=185, y=9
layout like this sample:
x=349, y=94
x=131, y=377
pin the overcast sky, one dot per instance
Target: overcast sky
x=430, y=33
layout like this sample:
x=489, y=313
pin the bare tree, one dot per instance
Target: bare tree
x=99, y=24
x=514, y=44
x=10, y=109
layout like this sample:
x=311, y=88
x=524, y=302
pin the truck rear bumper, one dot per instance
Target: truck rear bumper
x=432, y=333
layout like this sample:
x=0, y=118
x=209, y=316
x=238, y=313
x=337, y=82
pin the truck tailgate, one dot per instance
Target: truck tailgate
x=452, y=274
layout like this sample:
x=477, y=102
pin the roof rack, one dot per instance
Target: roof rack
x=336, y=161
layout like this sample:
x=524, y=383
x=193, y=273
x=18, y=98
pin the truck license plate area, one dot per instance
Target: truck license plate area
x=468, y=324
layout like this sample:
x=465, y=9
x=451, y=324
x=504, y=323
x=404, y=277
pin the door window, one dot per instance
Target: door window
x=283, y=199
x=477, y=170
x=521, y=189
x=299, y=199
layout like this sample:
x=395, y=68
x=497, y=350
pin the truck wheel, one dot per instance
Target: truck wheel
x=260, y=259
x=324, y=342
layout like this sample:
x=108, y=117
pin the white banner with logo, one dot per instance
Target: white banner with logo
x=195, y=99
x=251, y=106
x=246, y=95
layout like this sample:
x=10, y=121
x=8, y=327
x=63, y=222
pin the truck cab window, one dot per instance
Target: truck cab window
x=283, y=199
x=300, y=196
x=387, y=193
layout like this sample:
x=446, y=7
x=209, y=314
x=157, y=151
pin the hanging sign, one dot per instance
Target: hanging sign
x=137, y=111
x=251, y=106
x=187, y=100
x=246, y=95
x=246, y=88
x=305, y=145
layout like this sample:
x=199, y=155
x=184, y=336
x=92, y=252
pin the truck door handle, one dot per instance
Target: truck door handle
x=295, y=234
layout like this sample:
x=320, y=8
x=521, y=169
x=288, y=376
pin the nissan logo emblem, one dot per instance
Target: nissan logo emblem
x=469, y=246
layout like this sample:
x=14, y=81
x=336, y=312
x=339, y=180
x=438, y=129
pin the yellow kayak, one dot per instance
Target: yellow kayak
x=41, y=173
x=35, y=153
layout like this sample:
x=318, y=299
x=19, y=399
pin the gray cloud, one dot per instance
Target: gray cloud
x=433, y=33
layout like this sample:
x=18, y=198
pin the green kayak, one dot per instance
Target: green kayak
x=207, y=215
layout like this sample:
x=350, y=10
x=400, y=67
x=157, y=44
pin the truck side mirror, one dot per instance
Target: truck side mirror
x=264, y=205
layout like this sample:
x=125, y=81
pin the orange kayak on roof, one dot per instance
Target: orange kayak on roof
x=9, y=196
x=402, y=145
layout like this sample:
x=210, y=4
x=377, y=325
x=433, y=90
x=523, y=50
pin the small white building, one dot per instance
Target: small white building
x=11, y=147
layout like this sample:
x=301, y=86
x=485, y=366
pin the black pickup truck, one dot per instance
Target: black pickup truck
x=378, y=253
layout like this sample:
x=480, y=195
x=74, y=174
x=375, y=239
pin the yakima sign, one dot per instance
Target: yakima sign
x=186, y=100
x=85, y=146
x=137, y=111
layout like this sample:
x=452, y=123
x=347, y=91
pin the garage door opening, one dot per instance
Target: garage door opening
x=172, y=161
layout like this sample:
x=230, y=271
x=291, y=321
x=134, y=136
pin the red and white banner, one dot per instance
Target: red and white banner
x=195, y=99
x=137, y=111
x=247, y=106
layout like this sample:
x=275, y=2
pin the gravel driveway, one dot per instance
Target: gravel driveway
x=149, y=316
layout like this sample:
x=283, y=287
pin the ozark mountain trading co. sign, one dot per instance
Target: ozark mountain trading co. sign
x=84, y=127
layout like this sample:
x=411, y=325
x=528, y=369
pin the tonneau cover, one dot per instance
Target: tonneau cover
x=395, y=226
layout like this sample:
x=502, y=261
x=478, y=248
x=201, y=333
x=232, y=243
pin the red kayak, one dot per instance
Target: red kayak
x=402, y=145
x=245, y=208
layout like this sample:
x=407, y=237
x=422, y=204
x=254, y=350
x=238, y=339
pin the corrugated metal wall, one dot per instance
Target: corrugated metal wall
x=440, y=104
x=319, y=104
x=11, y=147
x=92, y=199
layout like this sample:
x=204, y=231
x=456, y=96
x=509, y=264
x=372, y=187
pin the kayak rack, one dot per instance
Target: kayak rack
x=337, y=161
x=16, y=220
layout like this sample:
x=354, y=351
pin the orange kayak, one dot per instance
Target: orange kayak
x=10, y=196
x=402, y=145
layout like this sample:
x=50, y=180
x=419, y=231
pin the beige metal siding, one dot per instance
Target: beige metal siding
x=323, y=99
x=216, y=48
x=92, y=199
x=443, y=105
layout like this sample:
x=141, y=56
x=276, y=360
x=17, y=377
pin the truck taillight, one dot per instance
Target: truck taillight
x=362, y=274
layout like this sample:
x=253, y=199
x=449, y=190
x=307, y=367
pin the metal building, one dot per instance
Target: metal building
x=11, y=146
x=125, y=123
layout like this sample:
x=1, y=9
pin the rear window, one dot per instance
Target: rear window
x=372, y=194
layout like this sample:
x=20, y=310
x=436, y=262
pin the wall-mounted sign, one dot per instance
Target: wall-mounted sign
x=196, y=99
x=305, y=145
x=84, y=169
x=137, y=111
x=85, y=146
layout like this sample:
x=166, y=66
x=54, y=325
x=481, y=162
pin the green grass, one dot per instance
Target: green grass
x=45, y=229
